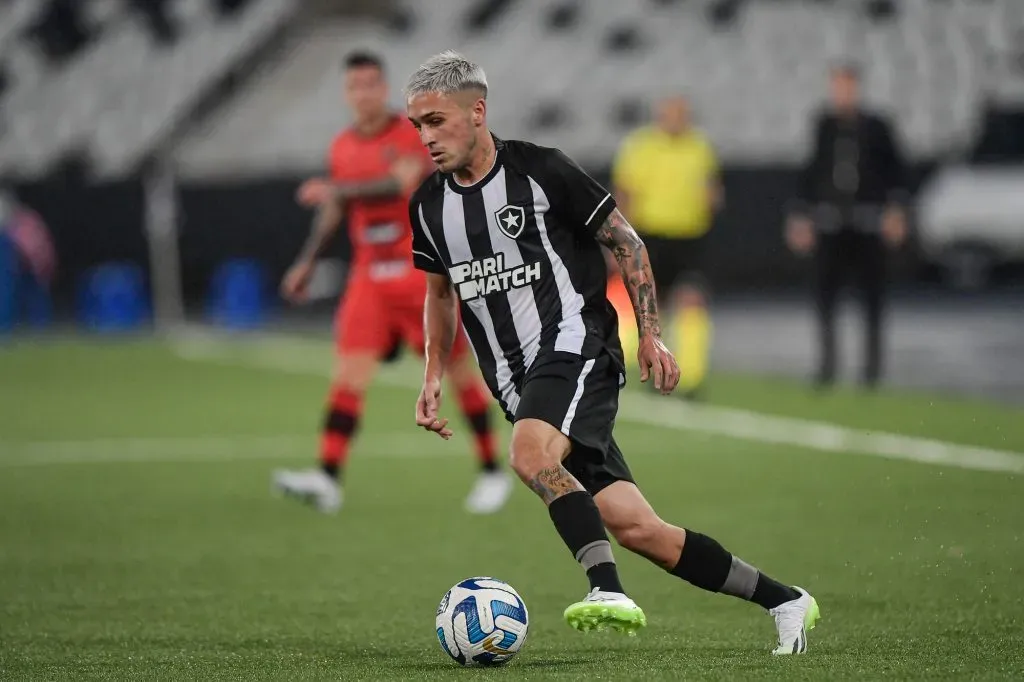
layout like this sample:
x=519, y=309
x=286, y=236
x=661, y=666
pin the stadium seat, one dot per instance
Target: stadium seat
x=122, y=95
x=754, y=82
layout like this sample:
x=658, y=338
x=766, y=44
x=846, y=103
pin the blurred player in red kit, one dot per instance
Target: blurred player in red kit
x=375, y=166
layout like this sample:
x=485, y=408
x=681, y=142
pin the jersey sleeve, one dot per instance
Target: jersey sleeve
x=424, y=254
x=583, y=201
x=335, y=157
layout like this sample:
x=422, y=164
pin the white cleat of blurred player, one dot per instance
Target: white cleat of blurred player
x=312, y=486
x=793, y=619
x=490, y=492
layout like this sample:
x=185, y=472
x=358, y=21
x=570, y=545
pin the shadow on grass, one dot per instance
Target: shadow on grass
x=525, y=664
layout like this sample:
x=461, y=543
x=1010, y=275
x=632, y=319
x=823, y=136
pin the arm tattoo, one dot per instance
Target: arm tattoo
x=630, y=253
x=325, y=224
x=553, y=482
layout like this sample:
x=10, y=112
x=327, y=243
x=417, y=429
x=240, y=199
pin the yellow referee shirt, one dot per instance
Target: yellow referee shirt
x=667, y=179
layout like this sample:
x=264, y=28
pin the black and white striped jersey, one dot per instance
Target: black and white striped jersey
x=519, y=247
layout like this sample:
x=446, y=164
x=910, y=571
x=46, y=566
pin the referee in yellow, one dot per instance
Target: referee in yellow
x=666, y=182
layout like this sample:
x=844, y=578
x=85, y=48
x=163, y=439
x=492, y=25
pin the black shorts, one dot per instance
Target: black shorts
x=676, y=261
x=580, y=398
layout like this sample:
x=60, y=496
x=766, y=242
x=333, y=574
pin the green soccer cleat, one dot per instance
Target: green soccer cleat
x=793, y=620
x=604, y=610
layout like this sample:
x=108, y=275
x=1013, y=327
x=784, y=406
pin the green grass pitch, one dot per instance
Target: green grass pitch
x=139, y=539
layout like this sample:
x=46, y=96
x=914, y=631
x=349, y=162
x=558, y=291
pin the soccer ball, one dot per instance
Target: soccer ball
x=481, y=621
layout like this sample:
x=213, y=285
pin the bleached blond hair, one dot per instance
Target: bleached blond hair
x=446, y=73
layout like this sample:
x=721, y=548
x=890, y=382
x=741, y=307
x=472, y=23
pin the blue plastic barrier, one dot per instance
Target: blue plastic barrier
x=112, y=297
x=237, y=297
x=36, y=301
x=9, y=274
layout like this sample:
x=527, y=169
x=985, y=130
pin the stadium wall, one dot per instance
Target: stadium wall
x=93, y=223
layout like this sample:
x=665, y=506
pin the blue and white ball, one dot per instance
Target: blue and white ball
x=482, y=621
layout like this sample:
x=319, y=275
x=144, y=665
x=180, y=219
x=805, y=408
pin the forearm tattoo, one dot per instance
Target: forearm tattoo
x=325, y=224
x=553, y=482
x=630, y=253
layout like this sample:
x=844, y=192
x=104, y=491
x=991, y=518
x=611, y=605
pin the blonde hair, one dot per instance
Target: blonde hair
x=446, y=73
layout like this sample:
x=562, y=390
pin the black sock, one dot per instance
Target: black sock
x=331, y=469
x=769, y=592
x=490, y=466
x=578, y=521
x=706, y=564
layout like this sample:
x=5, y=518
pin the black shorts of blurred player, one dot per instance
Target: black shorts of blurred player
x=678, y=264
x=683, y=290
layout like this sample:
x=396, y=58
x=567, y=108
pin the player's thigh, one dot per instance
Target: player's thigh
x=362, y=334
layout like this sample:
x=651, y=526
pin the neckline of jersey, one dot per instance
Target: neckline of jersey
x=499, y=147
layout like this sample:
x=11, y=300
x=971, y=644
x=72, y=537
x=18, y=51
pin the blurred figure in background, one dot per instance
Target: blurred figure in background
x=375, y=165
x=31, y=269
x=851, y=206
x=666, y=180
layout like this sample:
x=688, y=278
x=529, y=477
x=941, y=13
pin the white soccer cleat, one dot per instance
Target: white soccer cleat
x=312, y=486
x=793, y=619
x=490, y=492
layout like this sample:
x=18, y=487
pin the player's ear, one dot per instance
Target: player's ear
x=479, y=112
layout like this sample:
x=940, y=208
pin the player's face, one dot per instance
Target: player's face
x=845, y=91
x=366, y=92
x=447, y=126
x=674, y=115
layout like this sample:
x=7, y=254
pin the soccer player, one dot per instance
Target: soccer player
x=511, y=233
x=375, y=165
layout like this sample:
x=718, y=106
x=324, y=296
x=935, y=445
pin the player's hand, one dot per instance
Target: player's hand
x=894, y=226
x=314, y=192
x=800, y=235
x=427, y=406
x=296, y=282
x=658, y=363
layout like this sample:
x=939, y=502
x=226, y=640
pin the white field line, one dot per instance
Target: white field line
x=306, y=356
x=204, y=449
x=312, y=357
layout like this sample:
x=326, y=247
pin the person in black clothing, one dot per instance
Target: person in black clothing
x=851, y=206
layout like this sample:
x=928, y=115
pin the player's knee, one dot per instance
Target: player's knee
x=528, y=459
x=533, y=450
x=355, y=373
